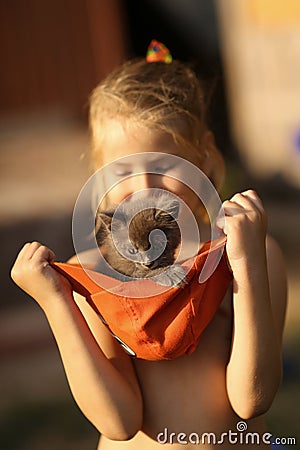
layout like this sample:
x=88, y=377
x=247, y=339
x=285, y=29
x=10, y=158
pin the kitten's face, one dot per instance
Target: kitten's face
x=138, y=249
x=148, y=238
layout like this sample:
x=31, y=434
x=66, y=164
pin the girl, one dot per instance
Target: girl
x=227, y=384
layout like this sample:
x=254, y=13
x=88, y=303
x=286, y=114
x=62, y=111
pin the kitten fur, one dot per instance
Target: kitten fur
x=136, y=220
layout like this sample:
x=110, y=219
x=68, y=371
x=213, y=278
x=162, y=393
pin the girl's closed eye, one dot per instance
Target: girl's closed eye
x=162, y=168
x=122, y=173
x=121, y=170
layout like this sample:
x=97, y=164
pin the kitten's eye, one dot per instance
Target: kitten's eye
x=132, y=250
x=159, y=244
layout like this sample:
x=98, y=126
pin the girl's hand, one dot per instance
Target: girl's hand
x=32, y=273
x=245, y=226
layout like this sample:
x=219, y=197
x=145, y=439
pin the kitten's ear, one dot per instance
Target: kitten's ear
x=105, y=219
x=169, y=208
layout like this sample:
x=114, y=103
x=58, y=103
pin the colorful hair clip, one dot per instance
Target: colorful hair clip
x=158, y=52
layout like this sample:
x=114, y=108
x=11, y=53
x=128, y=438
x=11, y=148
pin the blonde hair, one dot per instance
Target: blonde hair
x=160, y=96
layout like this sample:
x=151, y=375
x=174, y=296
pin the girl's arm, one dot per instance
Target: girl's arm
x=102, y=380
x=259, y=302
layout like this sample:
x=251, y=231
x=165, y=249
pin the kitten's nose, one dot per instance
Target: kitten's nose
x=147, y=262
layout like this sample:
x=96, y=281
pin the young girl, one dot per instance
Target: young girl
x=221, y=391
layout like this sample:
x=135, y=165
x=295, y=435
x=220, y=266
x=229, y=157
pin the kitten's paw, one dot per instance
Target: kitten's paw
x=172, y=276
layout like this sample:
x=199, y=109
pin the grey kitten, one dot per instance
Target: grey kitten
x=139, y=240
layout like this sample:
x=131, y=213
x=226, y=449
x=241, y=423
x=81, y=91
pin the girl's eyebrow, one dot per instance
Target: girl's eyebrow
x=149, y=161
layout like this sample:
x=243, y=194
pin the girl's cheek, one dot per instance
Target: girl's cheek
x=182, y=191
x=117, y=194
x=116, y=190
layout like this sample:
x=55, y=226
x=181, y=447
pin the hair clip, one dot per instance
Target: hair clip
x=158, y=52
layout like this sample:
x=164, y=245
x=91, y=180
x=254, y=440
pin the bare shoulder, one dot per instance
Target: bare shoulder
x=277, y=281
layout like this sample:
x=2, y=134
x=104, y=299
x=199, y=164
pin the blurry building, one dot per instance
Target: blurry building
x=261, y=53
x=54, y=52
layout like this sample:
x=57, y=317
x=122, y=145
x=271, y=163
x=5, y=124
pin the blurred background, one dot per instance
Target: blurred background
x=53, y=53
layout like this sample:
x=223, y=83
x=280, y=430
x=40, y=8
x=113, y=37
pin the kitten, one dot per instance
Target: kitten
x=139, y=240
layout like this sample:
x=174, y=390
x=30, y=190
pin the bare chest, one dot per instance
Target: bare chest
x=191, y=388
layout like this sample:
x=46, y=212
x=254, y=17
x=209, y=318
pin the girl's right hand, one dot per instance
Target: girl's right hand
x=33, y=273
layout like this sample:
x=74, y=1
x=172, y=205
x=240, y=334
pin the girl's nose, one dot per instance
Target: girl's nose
x=145, y=181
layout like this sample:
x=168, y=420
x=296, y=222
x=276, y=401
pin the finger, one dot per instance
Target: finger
x=251, y=194
x=27, y=251
x=44, y=254
x=23, y=251
x=245, y=201
x=24, y=256
x=231, y=208
x=32, y=249
x=220, y=219
x=227, y=212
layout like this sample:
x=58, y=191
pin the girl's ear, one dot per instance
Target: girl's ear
x=213, y=166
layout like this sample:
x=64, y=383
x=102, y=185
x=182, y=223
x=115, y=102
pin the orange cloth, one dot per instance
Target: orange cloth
x=162, y=326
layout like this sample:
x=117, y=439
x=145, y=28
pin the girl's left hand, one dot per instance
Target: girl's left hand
x=245, y=226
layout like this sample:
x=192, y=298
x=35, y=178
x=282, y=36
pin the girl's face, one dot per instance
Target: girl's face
x=129, y=140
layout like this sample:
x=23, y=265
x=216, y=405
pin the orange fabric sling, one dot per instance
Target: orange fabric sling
x=162, y=326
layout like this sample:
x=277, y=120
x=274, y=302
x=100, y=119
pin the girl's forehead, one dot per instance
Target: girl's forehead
x=125, y=139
